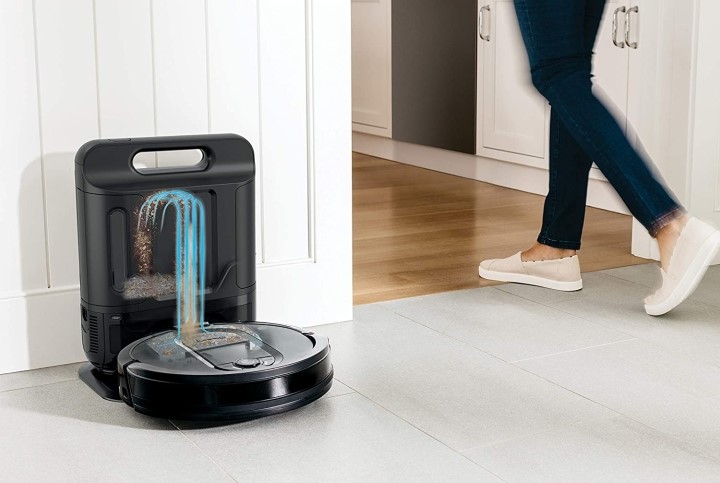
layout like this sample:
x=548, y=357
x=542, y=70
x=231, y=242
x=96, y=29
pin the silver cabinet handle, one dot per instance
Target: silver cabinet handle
x=620, y=44
x=481, y=22
x=632, y=45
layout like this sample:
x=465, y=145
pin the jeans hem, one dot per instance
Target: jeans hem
x=664, y=220
x=563, y=244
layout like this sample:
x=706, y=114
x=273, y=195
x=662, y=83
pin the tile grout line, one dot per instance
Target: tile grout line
x=419, y=429
x=520, y=438
x=604, y=272
x=574, y=350
x=441, y=333
x=683, y=444
x=202, y=451
x=618, y=413
x=691, y=297
x=558, y=307
x=579, y=317
x=630, y=337
x=352, y=391
x=4, y=391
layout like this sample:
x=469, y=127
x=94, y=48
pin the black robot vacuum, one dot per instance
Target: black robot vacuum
x=167, y=279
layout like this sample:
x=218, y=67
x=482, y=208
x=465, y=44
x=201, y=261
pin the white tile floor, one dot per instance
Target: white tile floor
x=508, y=383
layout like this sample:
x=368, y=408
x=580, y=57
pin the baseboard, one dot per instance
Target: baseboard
x=502, y=173
x=374, y=130
x=42, y=330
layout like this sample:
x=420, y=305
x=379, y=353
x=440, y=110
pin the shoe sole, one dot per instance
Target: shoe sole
x=530, y=280
x=691, y=279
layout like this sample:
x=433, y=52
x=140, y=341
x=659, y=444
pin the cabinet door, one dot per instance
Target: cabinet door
x=703, y=168
x=513, y=113
x=673, y=111
x=610, y=62
x=371, y=66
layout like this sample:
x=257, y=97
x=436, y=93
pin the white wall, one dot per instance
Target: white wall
x=75, y=70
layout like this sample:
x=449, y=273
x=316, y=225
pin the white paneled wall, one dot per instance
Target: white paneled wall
x=284, y=101
x=233, y=83
x=81, y=69
x=124, y=69
x=67, y=90
x=179, y=35
x=22, y=258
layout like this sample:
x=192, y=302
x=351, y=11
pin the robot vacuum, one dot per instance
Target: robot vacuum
x=232, y=371
x=167, y=282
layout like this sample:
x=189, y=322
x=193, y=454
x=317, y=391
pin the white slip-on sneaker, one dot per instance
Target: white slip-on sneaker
x=696, y=247
x=562, y=274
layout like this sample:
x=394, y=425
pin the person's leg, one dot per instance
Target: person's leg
x=564, y=211
x=556, y=50
x=551, y=261
x=687, y=245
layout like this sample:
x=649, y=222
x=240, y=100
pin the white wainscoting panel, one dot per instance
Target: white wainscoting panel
x=180, y=56
x=283, y=102
x=46, y=331
x=68, y=116
x=233, y=84
x=22, y=243
x=125, y=68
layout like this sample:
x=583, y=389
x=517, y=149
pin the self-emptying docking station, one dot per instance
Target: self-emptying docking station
x=167, y=281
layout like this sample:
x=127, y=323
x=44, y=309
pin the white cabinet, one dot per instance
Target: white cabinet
x=372, y=67
x=610, y=61
x=703, y=198
x=512, y=116
x=511, y=113
x=674, y=107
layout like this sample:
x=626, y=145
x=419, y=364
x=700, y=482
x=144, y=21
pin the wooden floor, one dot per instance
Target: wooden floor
x=418, y=232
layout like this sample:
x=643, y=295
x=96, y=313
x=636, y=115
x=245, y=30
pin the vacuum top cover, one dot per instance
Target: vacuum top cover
x=230, y=348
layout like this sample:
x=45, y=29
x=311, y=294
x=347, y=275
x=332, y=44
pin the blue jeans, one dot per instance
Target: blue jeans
x=559, y=36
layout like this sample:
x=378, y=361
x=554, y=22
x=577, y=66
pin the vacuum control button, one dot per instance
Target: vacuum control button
x=246, y=363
